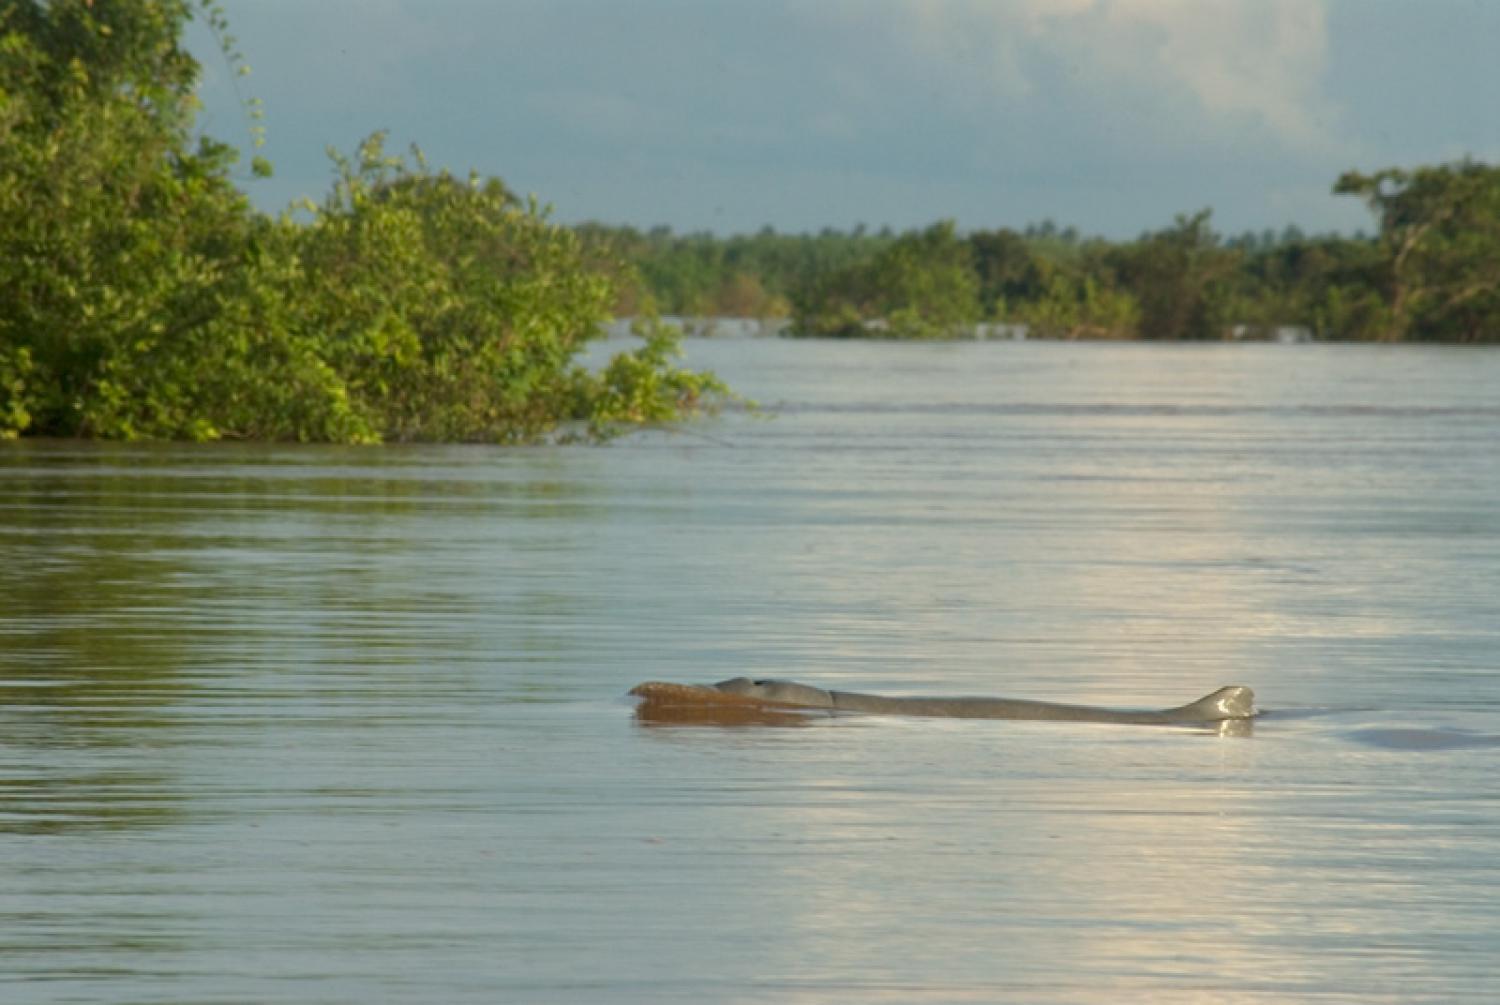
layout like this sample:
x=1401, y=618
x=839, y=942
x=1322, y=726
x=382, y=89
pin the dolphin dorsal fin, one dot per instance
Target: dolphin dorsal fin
x=1234, y=701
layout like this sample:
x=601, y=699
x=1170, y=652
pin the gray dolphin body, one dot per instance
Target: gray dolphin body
x=1232, y=702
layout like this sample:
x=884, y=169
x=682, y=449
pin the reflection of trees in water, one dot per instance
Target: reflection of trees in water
x=156, y=597
x=63, y=801
x=90, y=656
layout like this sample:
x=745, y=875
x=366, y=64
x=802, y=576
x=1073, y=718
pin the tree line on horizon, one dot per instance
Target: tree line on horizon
x=1430, y=273
x=143, y=297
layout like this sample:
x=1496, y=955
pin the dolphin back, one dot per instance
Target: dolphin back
x=1234, y=701
x=780, y=692
x=1227, y=703
x=1231, y=702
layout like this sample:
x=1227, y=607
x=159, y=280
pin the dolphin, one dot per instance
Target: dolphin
x=1232, y=702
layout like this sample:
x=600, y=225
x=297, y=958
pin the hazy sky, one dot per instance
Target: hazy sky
x=1110, y=115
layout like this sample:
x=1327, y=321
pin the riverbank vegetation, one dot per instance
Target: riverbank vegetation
x=1431, y=272
x=141, y=296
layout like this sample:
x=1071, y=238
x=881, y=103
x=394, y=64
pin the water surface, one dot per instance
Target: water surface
x=313, y=725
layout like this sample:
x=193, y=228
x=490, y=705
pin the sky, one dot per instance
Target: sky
x=1111, y=116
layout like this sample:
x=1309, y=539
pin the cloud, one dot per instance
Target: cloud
x=1248, y=70
x=1111, y=114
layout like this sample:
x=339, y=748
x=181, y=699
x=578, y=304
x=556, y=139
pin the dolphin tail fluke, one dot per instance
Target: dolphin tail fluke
x=1232, y=702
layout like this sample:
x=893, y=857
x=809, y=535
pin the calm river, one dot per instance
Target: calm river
x=311, y=725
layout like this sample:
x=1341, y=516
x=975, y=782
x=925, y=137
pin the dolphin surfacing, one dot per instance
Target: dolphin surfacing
x=1227, y=703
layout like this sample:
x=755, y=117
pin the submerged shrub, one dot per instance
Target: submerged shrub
x=922, y=285
x=142, y=297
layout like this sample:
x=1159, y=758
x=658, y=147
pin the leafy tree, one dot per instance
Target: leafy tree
x=1430, y=274
x=1179, y=277
x=921, y=286
x=1073, y=307
x=142, y=297
x=1053, y=283
x=117, y=238
x=750, y=275
x=1008, y=267
x=451, y=311
x=1440, y=231
x=1330, y=284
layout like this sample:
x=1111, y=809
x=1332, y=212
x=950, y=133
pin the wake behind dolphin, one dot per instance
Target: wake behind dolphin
x=1227, y=703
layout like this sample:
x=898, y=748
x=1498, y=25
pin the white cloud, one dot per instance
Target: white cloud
x=1246, y=68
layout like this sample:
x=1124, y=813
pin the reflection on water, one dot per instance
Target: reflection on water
x=325, y=725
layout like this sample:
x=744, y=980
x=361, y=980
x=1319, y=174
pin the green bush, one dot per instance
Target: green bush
x=922, y=285
x=142, y=298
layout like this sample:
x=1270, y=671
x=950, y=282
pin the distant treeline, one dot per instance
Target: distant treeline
x=1431, y=272
x=143, y=297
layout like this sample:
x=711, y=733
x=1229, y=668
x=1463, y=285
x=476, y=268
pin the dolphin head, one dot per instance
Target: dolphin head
x=783, y=691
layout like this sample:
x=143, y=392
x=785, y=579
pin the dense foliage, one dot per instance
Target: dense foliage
x=922, y=285
x=142, y=297
x=738, y=276
x=1439, y=264
x=1431, y=273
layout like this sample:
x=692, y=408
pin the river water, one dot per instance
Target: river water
x=308, y=725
